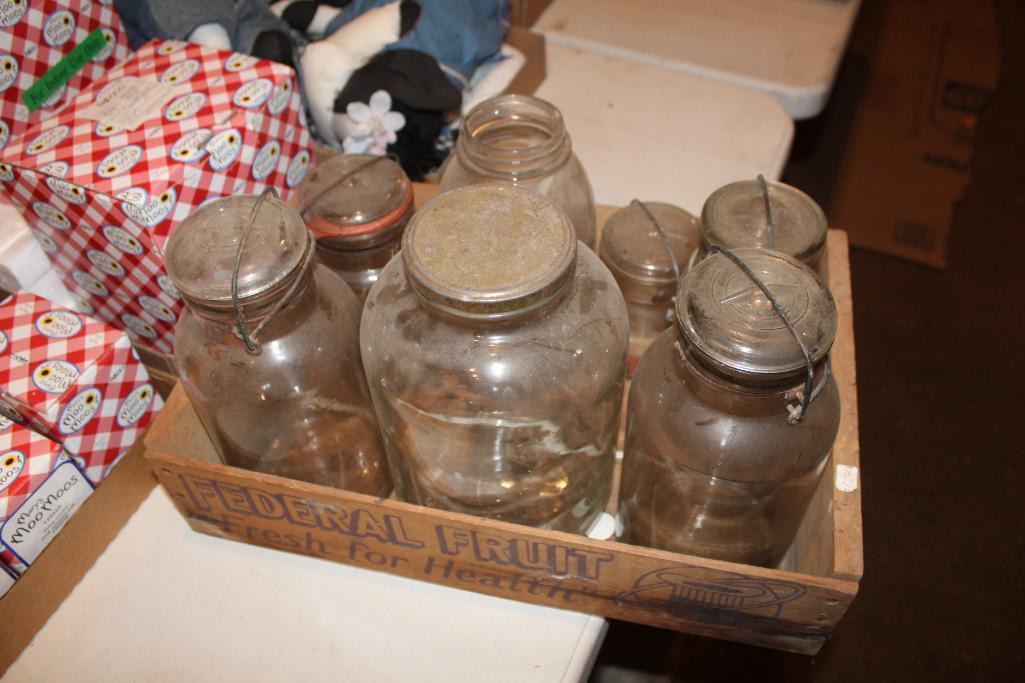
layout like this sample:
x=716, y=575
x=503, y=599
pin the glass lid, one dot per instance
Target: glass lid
x=631, y=246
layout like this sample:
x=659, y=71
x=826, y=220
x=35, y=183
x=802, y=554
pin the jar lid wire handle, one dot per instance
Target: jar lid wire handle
x=768, y=211
x=242, y=332
x=336, y=182
x=664, y=238
x=797, y=413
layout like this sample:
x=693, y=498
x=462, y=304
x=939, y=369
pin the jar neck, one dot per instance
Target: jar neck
x=258, y=308
x=513, y=138
x=362, y=242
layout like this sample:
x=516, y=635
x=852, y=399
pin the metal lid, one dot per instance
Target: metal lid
x=734, y=216
x=200, y=255
x=349, y=195
x=631, y=247
x=488, y=251
x=732, y=326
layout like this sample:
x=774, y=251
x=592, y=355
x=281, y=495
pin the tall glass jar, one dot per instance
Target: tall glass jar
x=357, y=206
x=522, y=140
x=634, y=251
x=766, y=214
x=495, y=346
x=279, y=389
x=716, y=462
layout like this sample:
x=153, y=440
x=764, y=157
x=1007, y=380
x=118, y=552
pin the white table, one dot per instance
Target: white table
x=166, y=604
x=789, y=49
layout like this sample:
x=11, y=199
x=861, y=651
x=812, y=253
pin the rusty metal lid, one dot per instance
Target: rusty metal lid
x=488, y=251
x=735, y=216
x=200, y=255
x=731, y=325
x=631, y=247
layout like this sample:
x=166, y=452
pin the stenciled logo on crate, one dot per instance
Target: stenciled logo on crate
x=253, y=93
x=51, y=215
x=237, y=62
x=165, y=283
x=11, y=464
x=266, y=160
x=282, y=96
x=154, y=210
x=191, y=146
x=135, y=406
x=90, y=283
x=179, y=72
x=6, y=173
x=224, y=149
x=11, y=12
x=105, y=130
x=58, y=28
x=157, y=309
x=297, y=168
x=105, y=262
x=47, y=140
x=123, y=240
x=5, y=133
x=45, y=241
x=69, y=192
x=109, y=43
x=55, y=376
x=121, y=160
x=79, y=410
x=171, y=46
x=59, y=324
x=703, y=594
x=185, y=106
x=8, y=71
x=138, y=326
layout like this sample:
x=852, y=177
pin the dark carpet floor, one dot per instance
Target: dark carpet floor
x=941, y=393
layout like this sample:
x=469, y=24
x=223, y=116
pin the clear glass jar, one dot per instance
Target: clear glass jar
x=735, y=216
x=297, y=404
x=495, y=346
x=633, y=250
x=714, y=464
x=523, y=141
x=357, y=206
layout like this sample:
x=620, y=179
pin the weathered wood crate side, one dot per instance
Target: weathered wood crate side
x=794, y=608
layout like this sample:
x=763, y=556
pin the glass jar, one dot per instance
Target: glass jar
x=715, y=464
x=357, y=206
x=772, y=216
x=633, y=250
x=523, y=141
x=296, y=403
x=495, y=346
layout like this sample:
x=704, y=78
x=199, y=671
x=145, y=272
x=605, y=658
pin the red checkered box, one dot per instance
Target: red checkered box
x=105, y=182
x=37, y=34
x=40, y=488
x=74, y=380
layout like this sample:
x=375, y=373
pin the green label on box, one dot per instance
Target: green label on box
x=52, y=80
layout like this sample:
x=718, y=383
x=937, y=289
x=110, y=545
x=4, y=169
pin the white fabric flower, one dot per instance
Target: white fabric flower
x=371, y=128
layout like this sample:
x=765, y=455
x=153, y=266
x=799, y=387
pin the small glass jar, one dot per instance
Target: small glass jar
x=633, y=250
x=296, y=403
x=495, y=346
x=735, y=216
x=357, y=206
x=714, y=463
x=523, y=141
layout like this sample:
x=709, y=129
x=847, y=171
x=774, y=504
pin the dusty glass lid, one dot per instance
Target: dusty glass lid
x=375, y=195
x=488, y=250
x=632, y=248
x=735, y=216
x=730, y=324
x=200, y=254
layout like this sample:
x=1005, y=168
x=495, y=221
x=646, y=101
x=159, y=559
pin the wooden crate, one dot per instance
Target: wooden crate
x=794, y=607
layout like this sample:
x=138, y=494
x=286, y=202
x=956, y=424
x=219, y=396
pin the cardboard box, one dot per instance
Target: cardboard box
x=933, y=68
x=7, y=579
x=34, y=37
x=794, y=607
x=40, y=489
x=74, y=380
x=105, y=182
